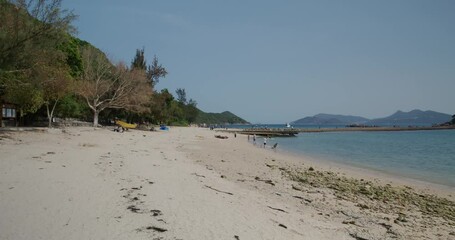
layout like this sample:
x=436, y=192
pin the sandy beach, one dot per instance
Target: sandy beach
x=86, y=183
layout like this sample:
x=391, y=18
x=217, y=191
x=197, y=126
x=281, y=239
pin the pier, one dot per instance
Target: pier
x=268, y=132
x=292, y=132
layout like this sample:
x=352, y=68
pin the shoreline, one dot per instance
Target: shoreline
x=368, y=172
x=382, y=176
x=77, y=183
x=358, y=172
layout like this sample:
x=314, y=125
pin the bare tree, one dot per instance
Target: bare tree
x=103, y=85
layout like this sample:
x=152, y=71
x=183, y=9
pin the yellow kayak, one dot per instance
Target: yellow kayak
x=125, y=125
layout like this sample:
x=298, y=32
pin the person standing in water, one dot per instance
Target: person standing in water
x=265, y=141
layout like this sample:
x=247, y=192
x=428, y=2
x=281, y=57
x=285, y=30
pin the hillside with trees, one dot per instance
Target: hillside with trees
x=219, y=118
x=46, y=72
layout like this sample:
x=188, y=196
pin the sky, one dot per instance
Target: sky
x=278, y=61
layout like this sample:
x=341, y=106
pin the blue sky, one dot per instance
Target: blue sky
x=277, y=61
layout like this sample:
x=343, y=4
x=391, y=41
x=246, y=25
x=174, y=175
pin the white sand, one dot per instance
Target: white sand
x=78, y=184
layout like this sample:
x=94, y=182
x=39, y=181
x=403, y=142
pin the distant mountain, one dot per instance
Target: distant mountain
x=330, y=119
x=219, y=118
x=414, y=117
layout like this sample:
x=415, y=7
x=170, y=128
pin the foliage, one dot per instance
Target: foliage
x=71, y=47
x=32, y=69
x=28, y=98
x=71, y=107
x=28, y=26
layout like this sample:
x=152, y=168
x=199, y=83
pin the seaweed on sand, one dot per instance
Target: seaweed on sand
x=383, y=198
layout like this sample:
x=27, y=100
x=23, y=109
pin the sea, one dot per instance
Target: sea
x=422, y=155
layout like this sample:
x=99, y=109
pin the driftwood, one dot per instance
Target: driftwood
x=282, y=225
x=198, y=175
x=218, y=190
x=158, y=229
x=221, y=137
x=296, y=188
x=264, y=180
x=270, y=165
x=277, y=209
x=302, y=198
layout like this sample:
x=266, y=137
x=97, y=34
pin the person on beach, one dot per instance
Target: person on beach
x=254, y=139
x=265, y=141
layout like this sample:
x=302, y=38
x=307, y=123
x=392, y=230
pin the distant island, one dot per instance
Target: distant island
x=330, y=119
x=400, y=118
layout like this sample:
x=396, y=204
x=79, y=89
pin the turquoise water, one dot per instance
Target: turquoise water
x=422, y=155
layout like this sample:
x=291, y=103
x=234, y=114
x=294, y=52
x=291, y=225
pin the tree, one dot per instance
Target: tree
x=28, y=98
x=103, y=85
x=181, y=95
x=155, y=72
x=191, y=111
x=139, y=61
x=160, y=103
x=54, y=89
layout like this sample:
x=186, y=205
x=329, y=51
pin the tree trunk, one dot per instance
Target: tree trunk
x=95, y=118
x=49, y=116
x=50, y=113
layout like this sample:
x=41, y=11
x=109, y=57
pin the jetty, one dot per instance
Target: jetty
x=292, y=132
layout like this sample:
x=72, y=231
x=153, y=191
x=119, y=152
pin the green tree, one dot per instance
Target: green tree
x=191, y=111
x=139, y=61
x=27, y=97
x=160, y=104
x=181, y=95
x=155, y=72
x=71, y=107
